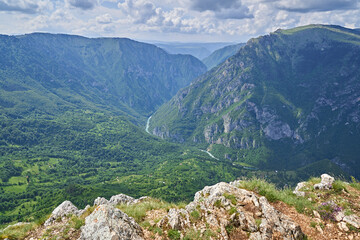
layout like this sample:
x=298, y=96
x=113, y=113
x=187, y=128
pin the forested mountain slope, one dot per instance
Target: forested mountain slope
x=284, y=101
x=72, y=111
x=54, y=72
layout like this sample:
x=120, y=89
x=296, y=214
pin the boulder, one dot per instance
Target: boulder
x=121, y=199
x=62, y=210
x=297, y=191
x=326, y=182
x=176, y=219
x=109, y=223
x=100, y=201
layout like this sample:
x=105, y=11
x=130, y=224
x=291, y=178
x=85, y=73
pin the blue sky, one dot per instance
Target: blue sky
x=173, y=20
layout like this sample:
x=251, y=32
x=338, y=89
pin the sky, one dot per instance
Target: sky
x=173, y=20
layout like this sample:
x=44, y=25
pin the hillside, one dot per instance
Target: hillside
x=284, y=101
x=72, y=111
x=220, y=55
x=243, y=209
x=50, y=73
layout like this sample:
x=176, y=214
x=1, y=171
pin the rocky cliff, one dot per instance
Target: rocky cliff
x=254, y=209
x=285, y=100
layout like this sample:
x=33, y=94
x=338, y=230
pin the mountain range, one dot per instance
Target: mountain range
x=73, y=111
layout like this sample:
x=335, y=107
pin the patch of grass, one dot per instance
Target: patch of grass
x=193, y=234
x=138, y=211
x=76, y=222
x=230, y=197
x=156, y=230
x=18, y=232
x=218, y=203
x=174, y=234
x=313, y=224
x=348, y=212
x=314, y=180
x=232, y=210
x=352, y=228
x=286, y=195
x=229, y=228
x=258, y=222
x=195, y=215
x=339, y=186
x=355, y=184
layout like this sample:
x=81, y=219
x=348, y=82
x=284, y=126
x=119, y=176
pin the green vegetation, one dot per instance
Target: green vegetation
x=231, y=197
x=138, y=211
x=273, y=194
x=174, y=234
x=18, y=232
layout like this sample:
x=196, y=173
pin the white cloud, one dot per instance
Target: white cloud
x=104, y=19
x=187, y=20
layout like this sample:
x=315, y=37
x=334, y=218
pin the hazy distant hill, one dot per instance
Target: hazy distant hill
x=198, y=50
x=283, y=101
x=220, y=55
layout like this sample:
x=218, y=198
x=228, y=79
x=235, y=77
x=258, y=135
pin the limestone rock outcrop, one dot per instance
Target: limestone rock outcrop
x=109, y=223
x=224, y=206
x=62, y=210
x=297, y=191
x=326, y=182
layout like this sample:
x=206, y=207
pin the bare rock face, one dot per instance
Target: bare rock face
x=297, y=191
x=121, y=199
x=326, y=182
x=100, y=200
x=224, y=206
x=62, y=210
x=117, y=199
x=109, y=223
x=177, y=219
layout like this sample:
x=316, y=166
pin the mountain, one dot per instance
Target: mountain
x=53, y=72
x=220, y=55
x=198, y=50
x=284, y=101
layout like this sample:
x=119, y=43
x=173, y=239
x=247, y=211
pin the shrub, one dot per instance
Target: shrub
x=328, y=210
x=195, y=215
x=230, y=197
x=174, y=234
x=218, y=203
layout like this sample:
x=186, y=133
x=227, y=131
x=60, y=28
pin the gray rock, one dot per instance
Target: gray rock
x=109, y=223
x=121, y=199
x=326, y=182
x=62, y=210
x=100, y=200
x=297, y=191
x=339, y=216
x=176, y=219
x=352, y=220
x=342, y=226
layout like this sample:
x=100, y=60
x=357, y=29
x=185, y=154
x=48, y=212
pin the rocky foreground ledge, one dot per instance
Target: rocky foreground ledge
x=222, y=211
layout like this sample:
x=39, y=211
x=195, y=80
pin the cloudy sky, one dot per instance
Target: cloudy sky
x=172, y=20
